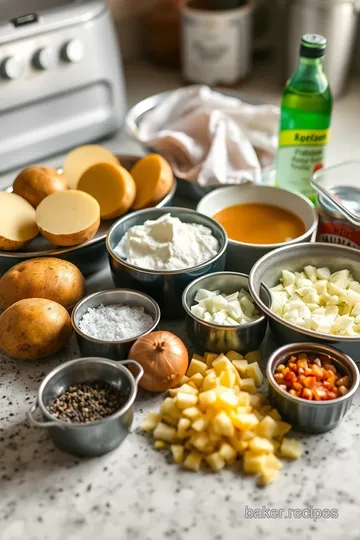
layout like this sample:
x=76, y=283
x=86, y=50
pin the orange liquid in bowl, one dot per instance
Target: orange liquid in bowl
x=255, y=223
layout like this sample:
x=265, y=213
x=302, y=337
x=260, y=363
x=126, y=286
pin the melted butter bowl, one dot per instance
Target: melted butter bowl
x=241, y=256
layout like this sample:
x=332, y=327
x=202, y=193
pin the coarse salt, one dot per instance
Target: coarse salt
x=115, y=322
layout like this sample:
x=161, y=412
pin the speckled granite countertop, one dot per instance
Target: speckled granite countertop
x=133, y=493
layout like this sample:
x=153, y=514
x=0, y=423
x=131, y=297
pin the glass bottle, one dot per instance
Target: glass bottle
x=163, y=30
x=305, y=119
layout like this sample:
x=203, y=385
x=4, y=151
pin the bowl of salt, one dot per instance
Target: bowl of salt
x=107, y=323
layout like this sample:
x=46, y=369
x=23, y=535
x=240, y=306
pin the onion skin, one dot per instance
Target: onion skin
x=164, y=358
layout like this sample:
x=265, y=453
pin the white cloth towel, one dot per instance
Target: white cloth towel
x=212, y=138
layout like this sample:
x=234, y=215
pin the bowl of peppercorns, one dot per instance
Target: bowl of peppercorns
x=87, y=404
x=312, y=385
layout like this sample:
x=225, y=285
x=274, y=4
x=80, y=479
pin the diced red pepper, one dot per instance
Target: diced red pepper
x=291, y=376
x=311, y=377
x=309, y=382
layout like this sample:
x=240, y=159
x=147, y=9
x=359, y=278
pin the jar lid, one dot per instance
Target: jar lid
x=339, y=189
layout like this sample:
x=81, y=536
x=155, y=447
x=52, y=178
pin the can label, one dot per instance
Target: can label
x=337, y=232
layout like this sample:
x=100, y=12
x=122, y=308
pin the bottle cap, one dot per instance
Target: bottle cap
x=312, y=46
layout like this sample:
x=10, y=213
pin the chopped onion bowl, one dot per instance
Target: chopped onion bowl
x=318, y=300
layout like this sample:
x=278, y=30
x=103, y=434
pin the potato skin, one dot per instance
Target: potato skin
x=44, y=277
x=37, y=182
x=34, y=328
x=73, y=239
x=11, y=245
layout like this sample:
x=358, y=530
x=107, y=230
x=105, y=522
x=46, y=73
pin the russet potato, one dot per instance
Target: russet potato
x=45, y=277
x=34, y=328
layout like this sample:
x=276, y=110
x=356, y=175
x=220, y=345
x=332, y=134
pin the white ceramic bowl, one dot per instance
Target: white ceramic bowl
x=241, y=256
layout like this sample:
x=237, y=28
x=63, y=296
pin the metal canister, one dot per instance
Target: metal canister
x=334, y=227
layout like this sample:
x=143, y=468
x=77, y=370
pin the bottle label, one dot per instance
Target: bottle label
x=300, y=154
x=304, y=137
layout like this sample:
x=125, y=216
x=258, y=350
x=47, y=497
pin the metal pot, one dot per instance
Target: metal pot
x=334, y=19
x=96, y=438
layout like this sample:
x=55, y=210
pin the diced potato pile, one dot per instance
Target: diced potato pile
x=217, y=415
x=318, y=300
x=233, y=309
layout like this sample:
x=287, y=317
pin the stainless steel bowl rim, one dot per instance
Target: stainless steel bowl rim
x=214, y=325
x=121, y=341
x=284, y=322
x=269, y=246
x=306, y=347
x=170, y=210
x=55, y=251
x=120, y=412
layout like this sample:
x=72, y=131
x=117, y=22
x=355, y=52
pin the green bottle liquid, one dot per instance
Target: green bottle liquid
x=305, y=119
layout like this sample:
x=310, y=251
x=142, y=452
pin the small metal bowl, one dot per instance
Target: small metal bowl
x=266, y=273
x=95, y=438
x=165, y=286
x=311, y=416
x=116, y=350
x=218, y=338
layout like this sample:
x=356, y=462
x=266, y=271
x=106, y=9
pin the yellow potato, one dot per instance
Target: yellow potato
x=153, y=177
x=17, y=222
x=37, y=182
x=68, y=218
x=45, y=277
x=112, y=186
x=34, y=328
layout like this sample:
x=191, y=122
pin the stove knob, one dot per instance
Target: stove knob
x=12, y=67
x=45, y=58
x=73, y=51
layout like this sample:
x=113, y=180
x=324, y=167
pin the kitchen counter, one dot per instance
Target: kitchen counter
x=134, y=493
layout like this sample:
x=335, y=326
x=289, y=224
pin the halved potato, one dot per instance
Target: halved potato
x=68, y=218
x=153, y=178
x=81, y=158
x=17, y=222
x=112, y=186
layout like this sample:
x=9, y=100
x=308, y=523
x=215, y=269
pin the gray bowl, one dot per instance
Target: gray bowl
x=241, y=256
x=166, y=287
x=311, y=416
x=267, y=272
x=95, y=438
x=111, y=349
x=218, y=338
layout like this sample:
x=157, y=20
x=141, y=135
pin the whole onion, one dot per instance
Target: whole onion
x=164, y=358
